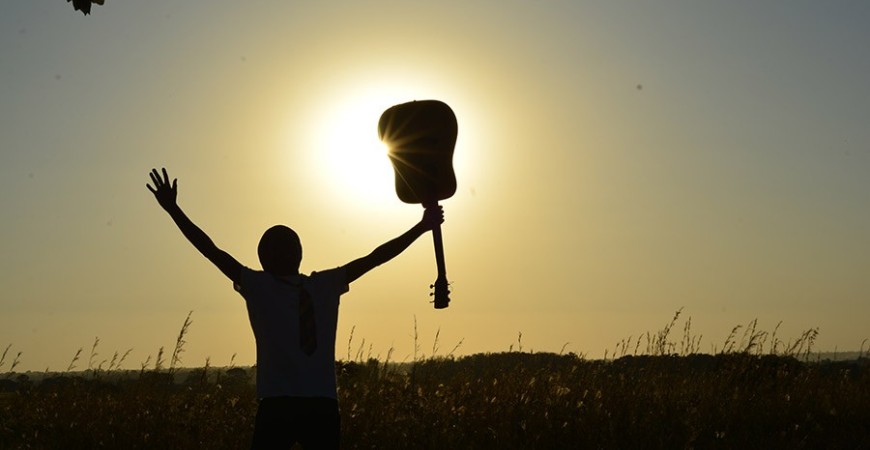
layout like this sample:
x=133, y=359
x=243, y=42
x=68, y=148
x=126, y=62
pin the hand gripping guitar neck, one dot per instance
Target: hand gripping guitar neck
x=421, y=136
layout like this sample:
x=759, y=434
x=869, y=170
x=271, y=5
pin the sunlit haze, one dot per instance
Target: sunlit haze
x=616, y=161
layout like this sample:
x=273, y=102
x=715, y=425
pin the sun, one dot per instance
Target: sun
x=346, y=150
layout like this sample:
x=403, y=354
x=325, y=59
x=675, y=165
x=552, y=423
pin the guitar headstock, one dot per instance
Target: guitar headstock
x=441, y=293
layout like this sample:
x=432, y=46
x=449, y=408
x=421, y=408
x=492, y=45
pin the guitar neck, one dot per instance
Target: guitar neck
x=439, y=252
x=441, y=294
x=439, y=245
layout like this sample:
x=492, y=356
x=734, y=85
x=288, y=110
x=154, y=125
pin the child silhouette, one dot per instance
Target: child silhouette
x=294, y=318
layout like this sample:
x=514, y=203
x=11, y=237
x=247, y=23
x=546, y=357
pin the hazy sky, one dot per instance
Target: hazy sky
x=616, y=161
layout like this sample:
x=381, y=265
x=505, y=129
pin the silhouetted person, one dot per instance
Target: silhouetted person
x=294, y=318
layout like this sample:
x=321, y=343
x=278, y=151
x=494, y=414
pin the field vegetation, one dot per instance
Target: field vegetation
x=656, y=391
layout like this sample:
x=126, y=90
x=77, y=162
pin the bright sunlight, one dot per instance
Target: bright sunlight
x=343, y=147
x=346, y=149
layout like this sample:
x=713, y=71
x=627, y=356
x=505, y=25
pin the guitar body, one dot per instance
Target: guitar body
x=421, y=136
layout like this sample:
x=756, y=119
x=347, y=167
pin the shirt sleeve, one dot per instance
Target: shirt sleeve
x=244, y=280
x=334, y=281
x=341, y=281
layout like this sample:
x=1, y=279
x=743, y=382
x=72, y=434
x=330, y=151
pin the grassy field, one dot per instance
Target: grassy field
x=652, y=393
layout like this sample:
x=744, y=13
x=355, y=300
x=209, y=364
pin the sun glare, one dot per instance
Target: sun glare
x=347, y=150
x=342, y=144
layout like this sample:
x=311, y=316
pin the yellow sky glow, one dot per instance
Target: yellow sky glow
x=614, y=162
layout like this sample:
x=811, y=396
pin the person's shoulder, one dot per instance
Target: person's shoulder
x=249, y=272
x=249, y=276
x=327, y=273
x=335, y=276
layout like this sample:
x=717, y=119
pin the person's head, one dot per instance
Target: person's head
x=280, y=251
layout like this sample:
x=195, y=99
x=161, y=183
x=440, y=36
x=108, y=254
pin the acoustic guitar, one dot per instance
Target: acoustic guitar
x=421, y=136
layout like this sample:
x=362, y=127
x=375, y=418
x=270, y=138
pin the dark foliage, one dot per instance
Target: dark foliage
x=506, y=400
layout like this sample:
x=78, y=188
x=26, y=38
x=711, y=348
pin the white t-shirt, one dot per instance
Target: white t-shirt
x=283, y=369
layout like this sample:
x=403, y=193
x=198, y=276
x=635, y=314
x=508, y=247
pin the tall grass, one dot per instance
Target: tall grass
x=15, y=361
x=654, y=391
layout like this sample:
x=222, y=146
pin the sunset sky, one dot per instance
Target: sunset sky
x=616, y=161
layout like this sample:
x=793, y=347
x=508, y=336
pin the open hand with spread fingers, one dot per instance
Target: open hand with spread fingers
x=165, y=193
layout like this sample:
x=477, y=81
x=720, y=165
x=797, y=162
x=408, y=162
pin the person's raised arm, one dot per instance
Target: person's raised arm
x=166, y=195
x=432, y=217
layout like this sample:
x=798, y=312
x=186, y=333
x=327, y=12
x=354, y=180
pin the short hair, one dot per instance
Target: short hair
x=280, y=250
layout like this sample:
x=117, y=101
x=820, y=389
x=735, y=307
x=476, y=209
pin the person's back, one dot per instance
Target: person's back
x=273, y=304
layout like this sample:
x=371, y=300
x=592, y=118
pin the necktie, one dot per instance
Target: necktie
x=307, y=328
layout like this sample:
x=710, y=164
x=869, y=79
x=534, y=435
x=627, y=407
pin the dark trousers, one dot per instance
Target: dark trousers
x=282, y=421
